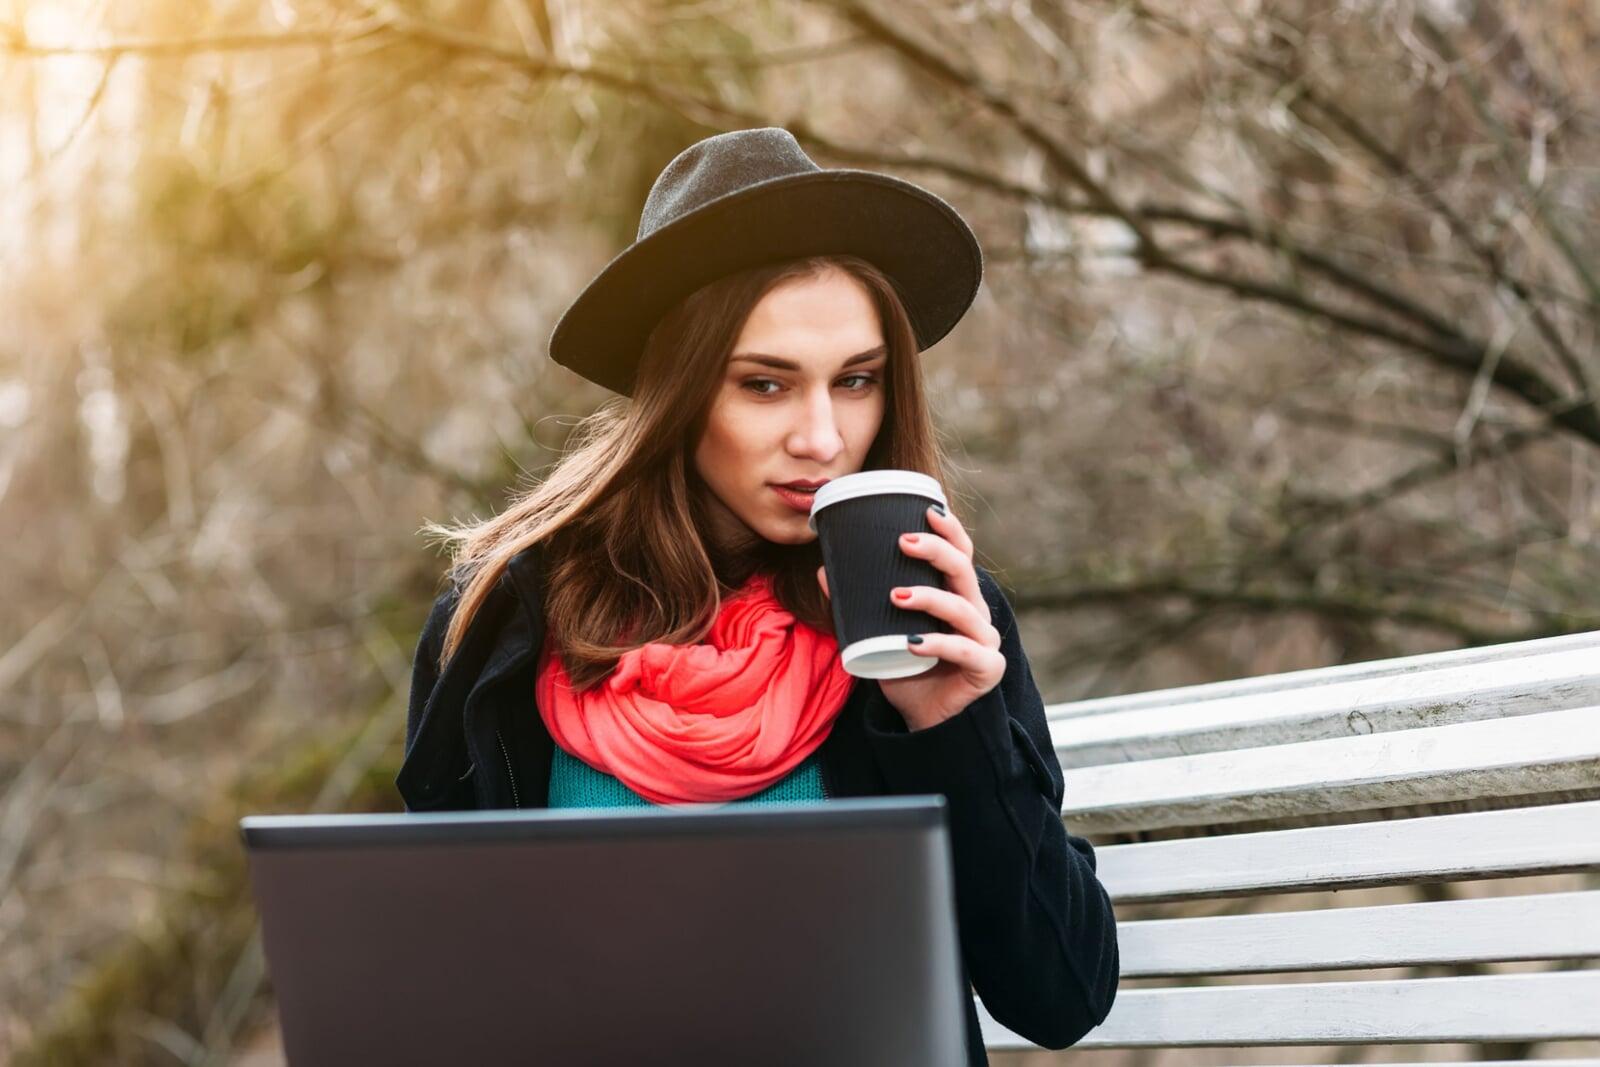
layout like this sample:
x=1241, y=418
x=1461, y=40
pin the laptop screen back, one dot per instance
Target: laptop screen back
x=807, y=933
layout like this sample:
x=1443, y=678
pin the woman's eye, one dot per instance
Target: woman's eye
x=754, y=384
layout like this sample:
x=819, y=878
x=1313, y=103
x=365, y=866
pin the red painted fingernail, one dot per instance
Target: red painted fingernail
x=902, y=594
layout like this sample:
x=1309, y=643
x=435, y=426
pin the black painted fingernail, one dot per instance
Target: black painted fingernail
x=914, y=639
x=939, y=508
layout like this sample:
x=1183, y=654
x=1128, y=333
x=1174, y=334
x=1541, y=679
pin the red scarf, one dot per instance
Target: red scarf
x=705, y=722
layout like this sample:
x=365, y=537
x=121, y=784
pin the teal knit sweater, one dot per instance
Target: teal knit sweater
x=575, y=784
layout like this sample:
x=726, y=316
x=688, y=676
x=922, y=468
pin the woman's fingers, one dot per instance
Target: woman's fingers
x=958, y=611
x=950, y=550
x=956, y=565
x=946, y=525
x=974, y=659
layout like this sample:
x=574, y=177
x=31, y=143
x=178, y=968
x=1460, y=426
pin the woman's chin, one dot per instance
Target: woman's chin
x=801, y=536
x=784, y=527
x=795, y=531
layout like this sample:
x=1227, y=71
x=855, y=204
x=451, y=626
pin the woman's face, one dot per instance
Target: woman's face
x=801, y=399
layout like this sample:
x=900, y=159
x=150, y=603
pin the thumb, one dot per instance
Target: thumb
x=822, y=576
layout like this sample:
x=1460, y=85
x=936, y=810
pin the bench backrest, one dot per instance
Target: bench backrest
x=1341, y=778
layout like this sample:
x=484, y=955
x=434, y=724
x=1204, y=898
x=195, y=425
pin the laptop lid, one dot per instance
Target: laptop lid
x=804, y=933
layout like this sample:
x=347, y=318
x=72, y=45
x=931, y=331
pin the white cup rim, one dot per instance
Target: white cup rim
x=873, y=483
x=884, y=656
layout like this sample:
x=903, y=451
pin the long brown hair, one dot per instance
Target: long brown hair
x=622, y=517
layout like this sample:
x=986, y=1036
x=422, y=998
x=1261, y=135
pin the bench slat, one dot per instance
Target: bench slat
x=1499, y=1007
x=1432, y=848
x=1517, y=686
x=1318, y=676
x=1545, y=926
x=1543, y=753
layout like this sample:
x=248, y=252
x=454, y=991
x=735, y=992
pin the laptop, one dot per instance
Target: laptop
x=818, y=932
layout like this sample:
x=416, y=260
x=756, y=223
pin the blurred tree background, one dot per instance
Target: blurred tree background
x=1285, y=356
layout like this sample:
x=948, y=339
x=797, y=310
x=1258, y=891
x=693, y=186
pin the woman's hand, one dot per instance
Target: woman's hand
x=971, y=660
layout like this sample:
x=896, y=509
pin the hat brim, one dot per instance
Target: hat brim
x=920, y=242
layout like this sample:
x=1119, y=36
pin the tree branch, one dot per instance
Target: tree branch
x=16, y=42
x=1451, y=350
x=1577, y=413
x=1457, y=353
x=1552, y=230
x=1038, y=596
x=1323, y=509
x=900, y=42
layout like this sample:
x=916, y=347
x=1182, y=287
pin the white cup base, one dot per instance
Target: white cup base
x=888, y=656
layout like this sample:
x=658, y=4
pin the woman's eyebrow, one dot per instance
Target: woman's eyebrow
x=779, y=363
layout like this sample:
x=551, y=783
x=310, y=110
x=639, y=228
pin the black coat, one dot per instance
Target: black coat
x=1038, y=936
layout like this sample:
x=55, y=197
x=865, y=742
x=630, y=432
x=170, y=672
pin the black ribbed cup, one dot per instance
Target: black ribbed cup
x=858, y=520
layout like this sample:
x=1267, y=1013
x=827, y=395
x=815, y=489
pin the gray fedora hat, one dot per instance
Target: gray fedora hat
x=749, y=197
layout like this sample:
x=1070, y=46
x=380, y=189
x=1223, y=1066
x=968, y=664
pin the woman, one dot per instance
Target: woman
x=650, y=623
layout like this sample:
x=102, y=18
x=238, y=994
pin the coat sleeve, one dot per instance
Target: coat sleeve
x=1038, y=934
x=425, y=663
x=430, y=773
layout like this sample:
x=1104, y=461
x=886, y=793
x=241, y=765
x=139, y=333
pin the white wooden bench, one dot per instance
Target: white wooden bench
x=1344, y=778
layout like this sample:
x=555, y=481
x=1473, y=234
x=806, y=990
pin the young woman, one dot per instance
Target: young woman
x=650, y=624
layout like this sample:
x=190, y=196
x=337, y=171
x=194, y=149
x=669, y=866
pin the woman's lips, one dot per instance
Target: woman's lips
x=797, y=500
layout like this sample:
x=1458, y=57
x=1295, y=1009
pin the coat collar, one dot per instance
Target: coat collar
x=526, y=578
x=518, y=629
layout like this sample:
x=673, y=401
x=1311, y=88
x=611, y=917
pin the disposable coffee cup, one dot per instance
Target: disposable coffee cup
x=858, y=519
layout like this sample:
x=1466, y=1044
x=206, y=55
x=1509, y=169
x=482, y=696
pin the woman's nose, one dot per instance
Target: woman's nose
x=818, y=433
